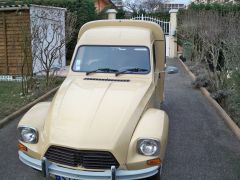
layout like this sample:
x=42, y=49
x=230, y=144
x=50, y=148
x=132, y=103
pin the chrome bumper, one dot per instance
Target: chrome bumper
x=49, y=168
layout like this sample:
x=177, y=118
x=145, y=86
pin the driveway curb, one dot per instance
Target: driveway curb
x=228, y=120
x=25, y=108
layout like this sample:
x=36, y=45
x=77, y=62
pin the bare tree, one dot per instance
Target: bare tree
x=145, y=5
x=133, y=5
x=152, y=5
x=25, y=64
x=216, y=45
x=48, y=28
x=48, y=43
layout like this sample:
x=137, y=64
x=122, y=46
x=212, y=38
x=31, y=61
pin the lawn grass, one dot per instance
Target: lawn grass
x=11, y=98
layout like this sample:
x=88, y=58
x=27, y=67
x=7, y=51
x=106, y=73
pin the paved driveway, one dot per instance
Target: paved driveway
x=200, y=145
x=10, y=166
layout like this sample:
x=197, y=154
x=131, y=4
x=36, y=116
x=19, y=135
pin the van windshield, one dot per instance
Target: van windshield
x=112, y=59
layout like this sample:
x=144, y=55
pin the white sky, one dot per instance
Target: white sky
x=180, y=1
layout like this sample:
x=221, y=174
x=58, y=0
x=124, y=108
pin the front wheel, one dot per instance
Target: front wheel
x=155, y=177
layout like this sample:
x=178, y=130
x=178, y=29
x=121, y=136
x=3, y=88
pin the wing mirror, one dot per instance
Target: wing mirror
x=171, y=70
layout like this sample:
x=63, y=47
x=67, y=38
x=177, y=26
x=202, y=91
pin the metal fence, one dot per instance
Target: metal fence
x=164, y=24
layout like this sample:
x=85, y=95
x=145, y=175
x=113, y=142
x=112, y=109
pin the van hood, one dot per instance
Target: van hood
x=96, y=115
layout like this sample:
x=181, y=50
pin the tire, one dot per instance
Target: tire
x=36, y=170
x=155, y=177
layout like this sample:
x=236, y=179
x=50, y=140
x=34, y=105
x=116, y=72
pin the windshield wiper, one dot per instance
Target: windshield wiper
x=101, y=70
x=131, y=70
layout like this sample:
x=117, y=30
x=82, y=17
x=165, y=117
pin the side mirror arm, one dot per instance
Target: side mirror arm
x=171, y=70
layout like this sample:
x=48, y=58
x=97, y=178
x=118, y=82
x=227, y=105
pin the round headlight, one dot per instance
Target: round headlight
x=148, y=147
x=27, y=135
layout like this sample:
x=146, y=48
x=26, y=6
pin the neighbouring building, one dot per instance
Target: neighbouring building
x=170, y=5
x=118, y=3
x=102, y=4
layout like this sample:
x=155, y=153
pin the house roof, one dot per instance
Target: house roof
x=6, y=5
x=109, y=1
x=106, y=3
x=13, y=7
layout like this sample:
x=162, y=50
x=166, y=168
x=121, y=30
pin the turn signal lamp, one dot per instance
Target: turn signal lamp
x=21, y=147
x=156, y=161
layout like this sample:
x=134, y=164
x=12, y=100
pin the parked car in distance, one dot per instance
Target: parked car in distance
x=105, y=121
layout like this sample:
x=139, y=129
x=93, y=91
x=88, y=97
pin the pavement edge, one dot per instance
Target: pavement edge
x=9, y=118
x=228, y=120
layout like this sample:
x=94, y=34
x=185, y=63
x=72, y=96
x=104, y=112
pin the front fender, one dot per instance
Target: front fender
x=35, y=118
x=153, y=124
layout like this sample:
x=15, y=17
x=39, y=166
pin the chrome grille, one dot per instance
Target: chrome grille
x=86, y=159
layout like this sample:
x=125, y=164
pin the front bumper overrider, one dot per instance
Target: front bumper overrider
x=48, y=168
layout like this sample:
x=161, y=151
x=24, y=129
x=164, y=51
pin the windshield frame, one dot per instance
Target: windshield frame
x=129, y=73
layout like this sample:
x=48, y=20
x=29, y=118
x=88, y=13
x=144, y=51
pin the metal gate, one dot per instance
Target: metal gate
x=165, y=25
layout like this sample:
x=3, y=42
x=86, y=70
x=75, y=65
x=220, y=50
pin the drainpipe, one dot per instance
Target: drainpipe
x=111, y=14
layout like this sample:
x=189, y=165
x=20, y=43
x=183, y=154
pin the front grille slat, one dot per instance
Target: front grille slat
x=98, y=163
x=86, y=159
x=110, y=161
x=62, y=157
x=96, y=166
x=62, y=154
x=96, y=156
x=60, y=161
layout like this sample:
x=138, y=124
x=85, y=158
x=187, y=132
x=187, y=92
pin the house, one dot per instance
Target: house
x=102, y=4
x=118, y=3
x=171, y=5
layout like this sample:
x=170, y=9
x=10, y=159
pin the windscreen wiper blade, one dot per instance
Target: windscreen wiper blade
x=131, y=70
x=101, y=70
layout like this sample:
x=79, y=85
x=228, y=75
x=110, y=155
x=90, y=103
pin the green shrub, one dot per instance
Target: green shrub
x=212, y=30
x=226, y=7
x=121, y=14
